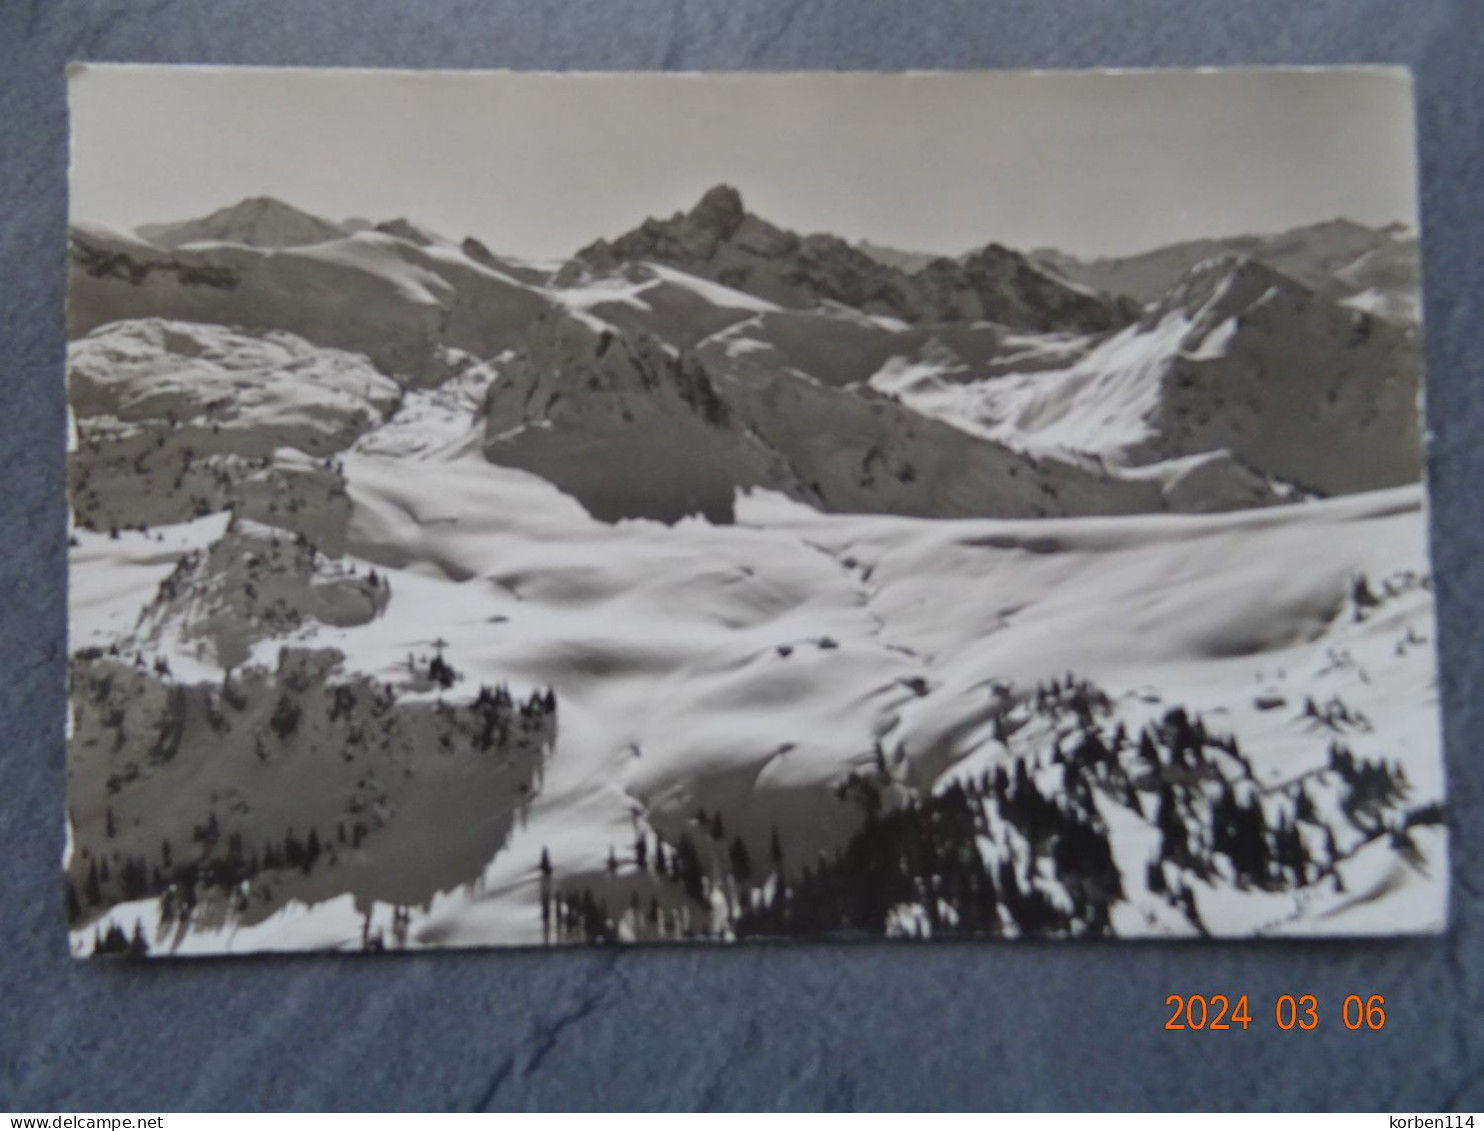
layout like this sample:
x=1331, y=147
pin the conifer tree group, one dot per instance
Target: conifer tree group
x=227, y=859
x=1020, y=849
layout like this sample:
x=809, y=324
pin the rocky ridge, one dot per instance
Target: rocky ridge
x=718, y=239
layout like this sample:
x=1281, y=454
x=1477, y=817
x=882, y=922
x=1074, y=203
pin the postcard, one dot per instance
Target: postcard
x=536, y=509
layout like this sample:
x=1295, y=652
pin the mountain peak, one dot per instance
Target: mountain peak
x=1223, y=285
x=256, y=221
x=261, y=204
x=258, y=208
x=720, y=211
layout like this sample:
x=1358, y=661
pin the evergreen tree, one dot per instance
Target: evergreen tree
x=1154, y=876
x=1148, y=752
x=1303, y=806
x=688, y=866
x=741, y=863
x=1174, y=840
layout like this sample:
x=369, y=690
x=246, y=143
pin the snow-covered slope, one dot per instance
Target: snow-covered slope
x=748, y=670
x=399, y=303
x=791, y=649
x=175, y=420
x=631, y=431
x=424, y=598
x=268, y=390
x=1236, y=358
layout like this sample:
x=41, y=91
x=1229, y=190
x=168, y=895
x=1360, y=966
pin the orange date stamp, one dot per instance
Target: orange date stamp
x=1302, y=1012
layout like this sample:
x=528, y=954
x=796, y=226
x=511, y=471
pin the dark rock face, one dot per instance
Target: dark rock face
x=404, y=229
x=623, y=426
x=719, y=240
x=96, y=261
x=995, y=284
x=720, y=211
x=477, y=251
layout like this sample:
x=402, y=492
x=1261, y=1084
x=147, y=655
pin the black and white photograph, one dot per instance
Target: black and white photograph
x=545, y=509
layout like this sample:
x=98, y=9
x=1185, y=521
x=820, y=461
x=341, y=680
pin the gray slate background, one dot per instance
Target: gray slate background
x=942, y=1026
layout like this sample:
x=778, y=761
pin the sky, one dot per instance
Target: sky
x=539, y=164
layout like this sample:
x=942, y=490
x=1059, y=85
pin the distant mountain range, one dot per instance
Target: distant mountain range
x=658, y=373
x=1373, y=269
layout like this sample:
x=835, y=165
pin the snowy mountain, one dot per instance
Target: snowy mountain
x=1234, y=358
x=718, y=585
x=177, y=420
x=401, y=304
x=632, y=431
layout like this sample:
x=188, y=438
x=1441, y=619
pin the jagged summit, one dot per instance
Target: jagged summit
x=720, y=210
x=997, y=284
x=258, y=221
